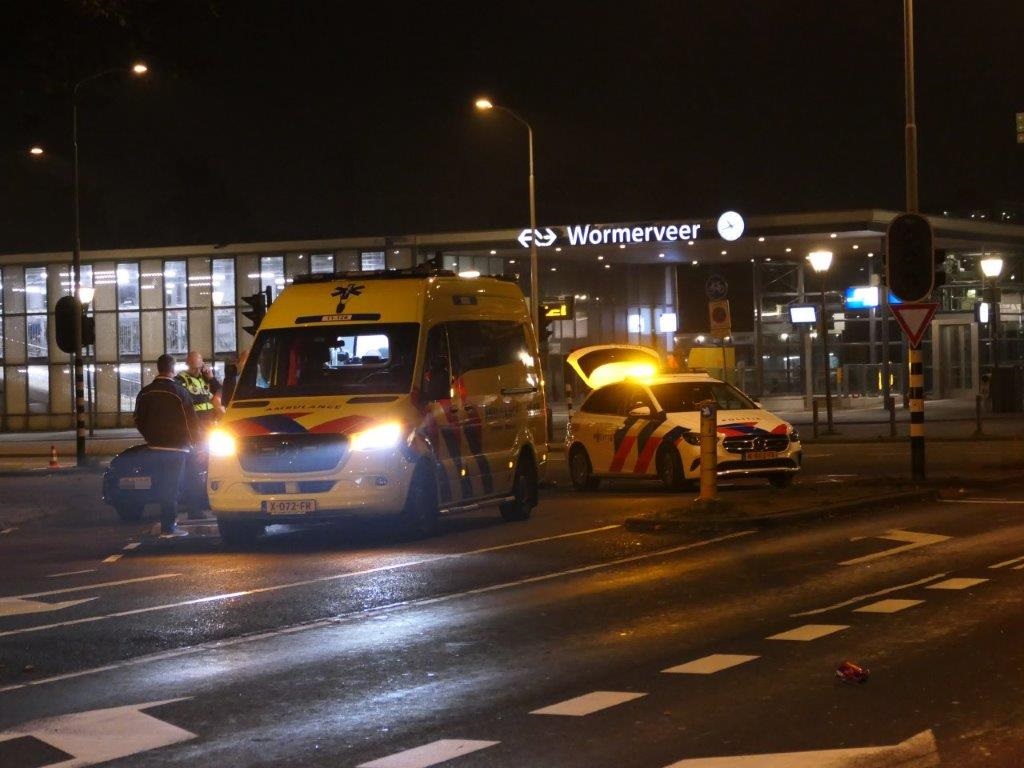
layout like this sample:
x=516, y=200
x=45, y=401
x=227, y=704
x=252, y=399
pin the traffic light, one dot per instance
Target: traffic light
x=64, y=324
x=257, y=309
x=910, y=259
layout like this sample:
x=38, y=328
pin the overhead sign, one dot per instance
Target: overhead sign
x=543, y=239
x=716, y=288
x=914, y=319
x=719, y=318
x=866, y=297
x=596, y=234
x=563, y=306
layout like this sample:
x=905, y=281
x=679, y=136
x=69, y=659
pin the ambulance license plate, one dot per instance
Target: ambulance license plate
x=135, y=483
x=289, y=506
x=760, y=455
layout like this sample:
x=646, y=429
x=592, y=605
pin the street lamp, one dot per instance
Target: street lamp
x=991, y=268
x=137, y=69
x=485, y=105
x=820, y=262
x=35, y=150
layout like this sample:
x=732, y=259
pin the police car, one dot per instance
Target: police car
x=649, y=427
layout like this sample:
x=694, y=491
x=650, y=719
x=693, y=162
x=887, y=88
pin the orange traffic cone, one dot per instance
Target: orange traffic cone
x=53, y=458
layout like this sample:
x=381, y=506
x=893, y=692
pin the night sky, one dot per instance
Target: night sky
x=296, y=120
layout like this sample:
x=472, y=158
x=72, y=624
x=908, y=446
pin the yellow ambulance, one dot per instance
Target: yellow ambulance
x=406, y=393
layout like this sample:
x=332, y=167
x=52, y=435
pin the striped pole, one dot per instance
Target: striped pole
x=916, y=393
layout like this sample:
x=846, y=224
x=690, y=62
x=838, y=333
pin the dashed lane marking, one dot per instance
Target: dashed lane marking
x=957, y=584
x=70, y=573
x=862, y=598
x=430, y=754
x=588, y=703
x=708, y=665
x=133, y=545
x=913, y=539
x=333, y=620
x=113, y=558
x=85, y=587
x=809, y=632
x=982, y=501
x=12, y=529
x=888, y=606
x=1007, y=562
x=15, y=606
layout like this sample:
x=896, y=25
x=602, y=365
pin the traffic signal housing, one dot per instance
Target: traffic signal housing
x=257, y=309
x=910, y=258
x=64, y=324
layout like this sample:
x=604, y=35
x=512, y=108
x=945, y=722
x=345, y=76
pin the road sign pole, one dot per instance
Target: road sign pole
x=916, y=412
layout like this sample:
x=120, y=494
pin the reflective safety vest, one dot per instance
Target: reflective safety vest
x=202, y=400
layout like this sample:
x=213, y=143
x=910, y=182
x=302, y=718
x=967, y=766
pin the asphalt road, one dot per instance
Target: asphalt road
x=544, y=643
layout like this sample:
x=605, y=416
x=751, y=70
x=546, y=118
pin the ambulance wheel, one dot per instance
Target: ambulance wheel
x=420, y=511
x=130, y=512
x=581, y=472
x=524, y=488
x=781, y=479
x=670, y=469
x=240, y=533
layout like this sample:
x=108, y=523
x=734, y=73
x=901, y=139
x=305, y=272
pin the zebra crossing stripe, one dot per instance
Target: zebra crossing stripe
x=429, y=754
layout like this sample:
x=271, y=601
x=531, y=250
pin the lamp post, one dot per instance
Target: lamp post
x=484, y=104
x=992, y=267
x=820, y=262
x=76, y=258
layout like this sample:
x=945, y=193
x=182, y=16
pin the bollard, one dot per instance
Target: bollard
x=977, y=414
x=708, y=452
x=814, y=417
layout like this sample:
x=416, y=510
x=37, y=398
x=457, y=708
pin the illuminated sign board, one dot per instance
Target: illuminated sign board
x=865, y=297
x=803, y=313
x=592, y=234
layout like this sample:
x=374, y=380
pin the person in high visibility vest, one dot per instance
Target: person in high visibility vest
x=200, y=382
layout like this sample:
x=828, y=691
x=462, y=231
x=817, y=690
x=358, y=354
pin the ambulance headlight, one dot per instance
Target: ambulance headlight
x=220, y=443
x=377, y=438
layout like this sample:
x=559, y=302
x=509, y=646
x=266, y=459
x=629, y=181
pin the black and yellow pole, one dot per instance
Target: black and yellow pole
x=708, y=452
x=916, y=396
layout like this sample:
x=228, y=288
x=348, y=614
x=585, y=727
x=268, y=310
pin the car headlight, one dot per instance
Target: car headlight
x=220, y=442
x=377, y=438
x=693, y=438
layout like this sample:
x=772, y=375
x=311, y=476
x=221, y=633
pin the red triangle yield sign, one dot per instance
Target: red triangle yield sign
x=914, y=319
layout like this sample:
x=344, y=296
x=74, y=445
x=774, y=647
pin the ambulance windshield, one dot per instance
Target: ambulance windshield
x=331, y=360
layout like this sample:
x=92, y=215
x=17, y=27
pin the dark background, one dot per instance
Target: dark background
x=267, y=120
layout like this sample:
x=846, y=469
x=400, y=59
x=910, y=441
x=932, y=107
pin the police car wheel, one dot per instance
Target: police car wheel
x=781, y=480
x=237, y=534
x=670, y=469
x=524, y=487
x=130, y=512
x=581, y=472
x=420, y=512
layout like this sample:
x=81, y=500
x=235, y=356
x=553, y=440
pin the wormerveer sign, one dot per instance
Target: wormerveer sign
x=588, y=234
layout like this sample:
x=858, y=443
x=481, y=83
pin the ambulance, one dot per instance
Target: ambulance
x=404, y=394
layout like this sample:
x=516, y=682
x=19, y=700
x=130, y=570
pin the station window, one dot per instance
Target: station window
x=224, y=330
x=1, y=323
x=272, y=274
x=321, y=263
x=176, y=331
x=175, y=284
x=36, y=339
x=223, y=278
x=129, y=382
x=371, y=260
x=128, y=286
x=38, y=389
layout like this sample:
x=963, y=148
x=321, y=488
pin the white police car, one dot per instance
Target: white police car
x=650, y=427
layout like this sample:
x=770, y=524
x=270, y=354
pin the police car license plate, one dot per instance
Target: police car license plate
x=760, y=455
x=135, y=483
x=289, y=506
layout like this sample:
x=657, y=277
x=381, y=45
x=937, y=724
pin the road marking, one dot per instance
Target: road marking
x=588, y=703
x=100, y=735
x=888, y=606
x=94, y=586
x=708, y=665
x=113, y=558
x=16, y=606
x=862, y=598
x=957, y=583
x=330, y=621
x=532, y=541
x=1018, y=567
x=809, y=632
x=12, y=529
x=915, y=540
x=919, y=751
x=133, y=545
x=1007, y=562
x=71, y=573
x=429, y=754
x=982, y=501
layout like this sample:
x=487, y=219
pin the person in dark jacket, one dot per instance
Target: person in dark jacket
x=165, y=416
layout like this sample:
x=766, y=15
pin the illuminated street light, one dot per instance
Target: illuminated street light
x=137, y=69
x=484, y=105
x=820, y=262
x=991, y=268
x=36, y=150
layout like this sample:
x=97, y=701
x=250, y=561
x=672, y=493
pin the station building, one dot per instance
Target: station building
x=644, y=282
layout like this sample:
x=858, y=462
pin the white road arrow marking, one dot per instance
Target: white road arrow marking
x=914, y=540
x=919, y=751
x=15, y=606
x=103, y=734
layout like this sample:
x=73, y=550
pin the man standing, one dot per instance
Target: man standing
x=165, y=416
x=201, y=383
